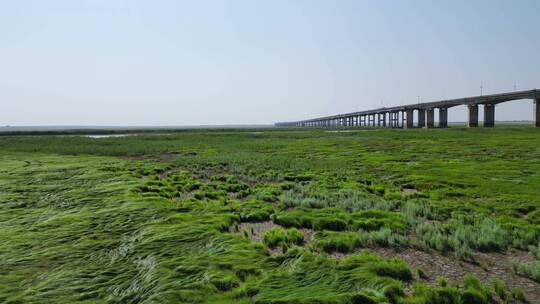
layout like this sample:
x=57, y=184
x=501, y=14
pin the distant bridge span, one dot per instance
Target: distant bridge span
x=403, y=116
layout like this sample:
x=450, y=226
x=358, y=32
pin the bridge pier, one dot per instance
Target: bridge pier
x=473, y=116
x=489, y=115
x=421, y=118
x=443, y=117
x=409, y=120
x=430, y=118
x=382, y=119
x=536, y=112
x=396, y=119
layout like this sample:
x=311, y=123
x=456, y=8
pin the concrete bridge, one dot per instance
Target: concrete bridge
x=403, y=116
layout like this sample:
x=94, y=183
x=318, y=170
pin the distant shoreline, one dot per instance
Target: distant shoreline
x=132, y=130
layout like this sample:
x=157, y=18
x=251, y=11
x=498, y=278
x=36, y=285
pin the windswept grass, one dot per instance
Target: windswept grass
x=149, y=218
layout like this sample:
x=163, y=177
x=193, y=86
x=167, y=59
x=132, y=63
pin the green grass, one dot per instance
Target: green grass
x=148, y=218
x=279, y=237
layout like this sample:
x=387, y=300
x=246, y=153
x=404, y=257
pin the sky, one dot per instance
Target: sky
x=165, y=63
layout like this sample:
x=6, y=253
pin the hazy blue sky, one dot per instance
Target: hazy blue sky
x=224, y=62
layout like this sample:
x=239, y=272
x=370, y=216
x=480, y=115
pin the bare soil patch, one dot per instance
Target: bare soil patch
x=408, y=190
x=491, y=266
x=165, y=157
x=134, y=157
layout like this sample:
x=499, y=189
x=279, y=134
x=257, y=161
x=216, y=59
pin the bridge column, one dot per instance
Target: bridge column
x=382, y=119
x=473, y=116
x=430, y=118
x=536, y=112
x=421, y=118
x=394, y=119
x=489, y=115
x=443, y=117
x=409, y=119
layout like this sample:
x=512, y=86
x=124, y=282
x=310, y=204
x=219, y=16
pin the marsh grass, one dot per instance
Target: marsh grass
x=280, y=237
x=115, y=221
